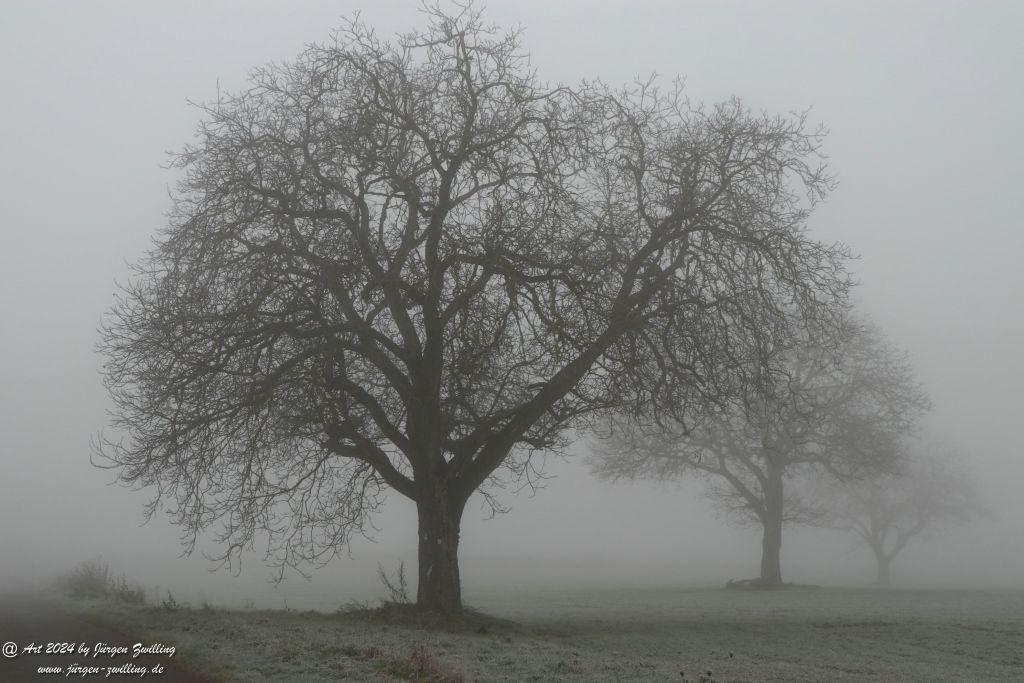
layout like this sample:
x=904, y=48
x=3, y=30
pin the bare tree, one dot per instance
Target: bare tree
x=888, y=511
x=813, y=409
x=410, y=265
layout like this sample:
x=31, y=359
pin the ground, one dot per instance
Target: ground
x=28, y=619
x=802, y=634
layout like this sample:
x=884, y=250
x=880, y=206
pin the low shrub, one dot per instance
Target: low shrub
x=127, y=591
x=397, y=588
x=92, y=579
x=170, y=604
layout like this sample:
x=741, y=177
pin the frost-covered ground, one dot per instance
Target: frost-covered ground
x=604, y=635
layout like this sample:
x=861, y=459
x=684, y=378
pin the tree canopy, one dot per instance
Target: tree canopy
x=408, y=265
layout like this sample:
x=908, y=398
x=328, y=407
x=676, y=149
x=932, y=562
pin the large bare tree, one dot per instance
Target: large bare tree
x=408, y=265
x=837, y=409
x=933, y=490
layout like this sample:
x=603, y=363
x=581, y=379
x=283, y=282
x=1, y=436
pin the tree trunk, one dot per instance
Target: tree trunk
x=883, y=568
x=771, y=543
x=771, y=551
x=439, y=584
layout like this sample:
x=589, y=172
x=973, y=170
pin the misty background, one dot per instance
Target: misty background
x=923, y=101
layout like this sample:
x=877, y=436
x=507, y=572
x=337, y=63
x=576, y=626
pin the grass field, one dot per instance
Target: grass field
x=806, y=634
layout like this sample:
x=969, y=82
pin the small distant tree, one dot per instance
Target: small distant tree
x=837, y=409
x=889, y=511
x=408, y=266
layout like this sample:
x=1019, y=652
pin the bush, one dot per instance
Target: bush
x=128, y=591
x=398, y=588
x=92, y=579
x=170, y=604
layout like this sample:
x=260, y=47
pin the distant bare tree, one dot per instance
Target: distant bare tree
x=841, y=411
x=410, y=265
x=888, y=511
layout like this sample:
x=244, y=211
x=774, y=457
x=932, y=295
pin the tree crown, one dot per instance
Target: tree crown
x=404, y=265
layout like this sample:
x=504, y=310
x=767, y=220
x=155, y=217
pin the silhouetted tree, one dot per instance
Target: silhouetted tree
x=410, y=265
x=839, y=410
x=888, y=511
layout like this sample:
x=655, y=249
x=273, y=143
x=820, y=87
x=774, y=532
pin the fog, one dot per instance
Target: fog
x=923, y=102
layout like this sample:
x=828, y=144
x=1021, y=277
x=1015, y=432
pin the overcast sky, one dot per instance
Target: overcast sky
x=924, y=103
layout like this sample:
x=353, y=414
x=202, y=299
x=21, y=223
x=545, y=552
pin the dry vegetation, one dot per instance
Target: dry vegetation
x=641, y=635
x=93, y=579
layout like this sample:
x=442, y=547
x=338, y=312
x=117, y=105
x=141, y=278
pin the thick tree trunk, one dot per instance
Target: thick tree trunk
x=771, y=543
x=771, y=552
x=439, y=584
